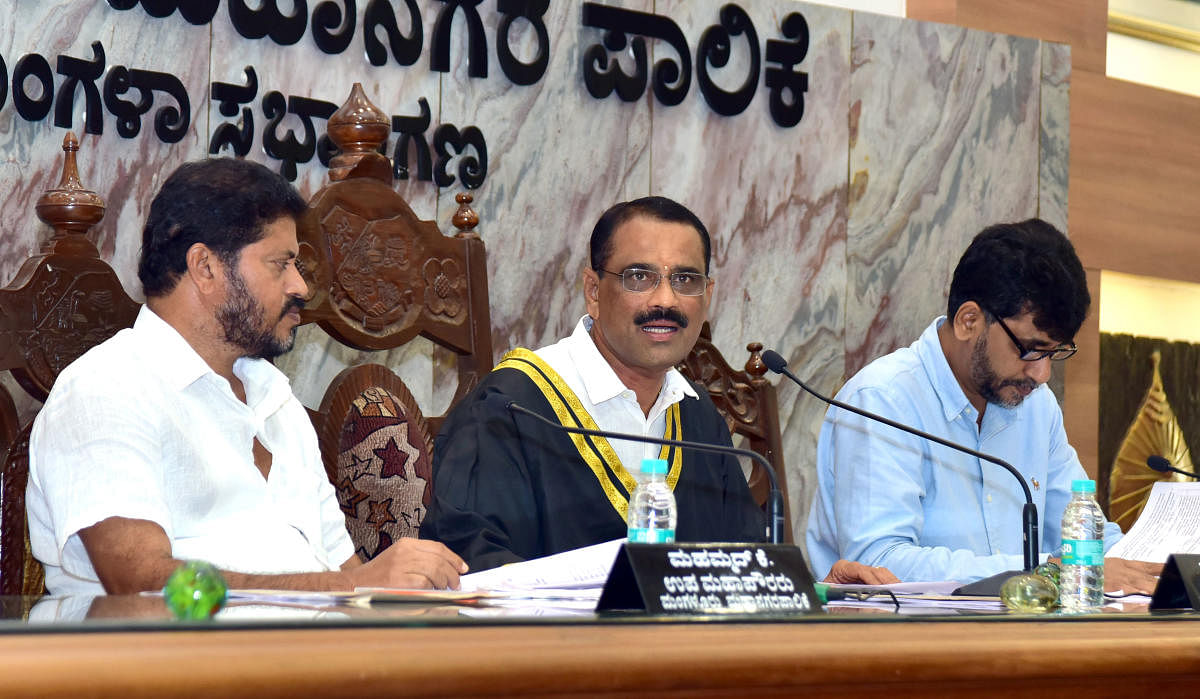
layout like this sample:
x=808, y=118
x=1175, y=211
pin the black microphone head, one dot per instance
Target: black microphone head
x=1158, y=463
x=774, y=361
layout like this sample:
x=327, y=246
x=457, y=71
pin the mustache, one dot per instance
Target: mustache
x=1019, y=383
x=659, y=313
x=293, y=302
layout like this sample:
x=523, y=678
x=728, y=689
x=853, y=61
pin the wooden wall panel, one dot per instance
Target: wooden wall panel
x=944, y=11
x=1081, y=23
x=1134, y=202
x=1083, y=384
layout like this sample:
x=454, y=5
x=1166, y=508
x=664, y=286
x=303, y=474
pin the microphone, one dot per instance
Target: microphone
x=778, y=364
x=774, y=495
x=1161, y=465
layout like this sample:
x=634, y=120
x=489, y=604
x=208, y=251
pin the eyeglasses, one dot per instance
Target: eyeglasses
x=639, y=280
x=1056, y=354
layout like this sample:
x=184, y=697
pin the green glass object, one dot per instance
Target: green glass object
x=1049, y=569
x=196, y=590
x=1030, y=593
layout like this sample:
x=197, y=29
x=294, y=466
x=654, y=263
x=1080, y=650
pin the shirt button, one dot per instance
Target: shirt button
x=989, y=497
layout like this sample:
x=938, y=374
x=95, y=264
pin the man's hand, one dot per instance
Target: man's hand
x=1131, y=577
x=845, y=571
x=410, y=563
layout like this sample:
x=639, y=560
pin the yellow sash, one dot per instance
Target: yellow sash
x=596, y=452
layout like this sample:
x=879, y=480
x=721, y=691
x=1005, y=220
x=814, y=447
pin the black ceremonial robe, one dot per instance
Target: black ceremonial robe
x=509, y=488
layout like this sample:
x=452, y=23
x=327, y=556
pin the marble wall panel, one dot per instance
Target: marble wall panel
x=1054, y=159
x=557, y=158
x=303, y=69
x=119, y=169
x=774, y=200
x=833, y=240
x=1055, y=141
x=944, y=141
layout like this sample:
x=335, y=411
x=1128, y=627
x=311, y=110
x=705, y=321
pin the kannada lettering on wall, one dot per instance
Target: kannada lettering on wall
x=253, y=111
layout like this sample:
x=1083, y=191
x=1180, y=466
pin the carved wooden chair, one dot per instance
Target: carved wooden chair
x=379, y=277
x=750, y=407
x=63, y=301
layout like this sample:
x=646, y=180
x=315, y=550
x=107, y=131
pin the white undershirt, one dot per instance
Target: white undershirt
x=611, y=404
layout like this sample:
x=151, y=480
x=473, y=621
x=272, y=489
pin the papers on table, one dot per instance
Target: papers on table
x=1170, y=523
x=906, y=588
x=362, y=597
x=562, y=584
x=584, y=568
x=914, y=598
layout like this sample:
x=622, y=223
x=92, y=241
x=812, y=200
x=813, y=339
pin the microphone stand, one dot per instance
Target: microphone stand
x=1029, y=516
x=774, y=495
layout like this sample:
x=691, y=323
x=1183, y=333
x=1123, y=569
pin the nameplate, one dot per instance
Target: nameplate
x=768, y=579
x=1179, y=585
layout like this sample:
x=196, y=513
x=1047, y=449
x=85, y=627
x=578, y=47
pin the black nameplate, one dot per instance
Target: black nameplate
x=709, y=579
x=1179, y=585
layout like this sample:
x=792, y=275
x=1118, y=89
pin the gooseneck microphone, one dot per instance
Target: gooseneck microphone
x=774, y=495
x=1161, y=465
x=778, y=364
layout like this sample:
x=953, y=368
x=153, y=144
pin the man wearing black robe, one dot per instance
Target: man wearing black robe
x=508, y=487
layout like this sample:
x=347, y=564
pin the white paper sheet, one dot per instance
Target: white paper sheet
x=584, y=568
x=1170, y=523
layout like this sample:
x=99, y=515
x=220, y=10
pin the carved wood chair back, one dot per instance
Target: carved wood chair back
x=379, y=277
x=63, y=301
x=750, y=407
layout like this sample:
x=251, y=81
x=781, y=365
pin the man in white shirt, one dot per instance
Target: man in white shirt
x=178, y=440
x=507, y=487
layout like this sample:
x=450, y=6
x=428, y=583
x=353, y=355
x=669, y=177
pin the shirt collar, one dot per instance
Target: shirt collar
x=174, y=358
x=949, y=392
x=929, y=348
x=600, y=382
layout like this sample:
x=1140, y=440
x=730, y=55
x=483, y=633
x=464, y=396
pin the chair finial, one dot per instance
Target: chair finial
x=358, y=129
x=755, y=366
x=70, y=208
x=465, y=219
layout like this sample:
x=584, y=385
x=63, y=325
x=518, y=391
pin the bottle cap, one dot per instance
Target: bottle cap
x=654, y=466
x=1083, y=486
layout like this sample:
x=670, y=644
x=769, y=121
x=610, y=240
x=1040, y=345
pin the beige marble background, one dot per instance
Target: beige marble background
x=833, y=241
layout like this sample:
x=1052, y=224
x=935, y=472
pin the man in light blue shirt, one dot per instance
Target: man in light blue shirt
x=975, y=377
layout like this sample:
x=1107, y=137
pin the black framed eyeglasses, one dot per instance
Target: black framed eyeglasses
x=639, y=280
x=1056, y=354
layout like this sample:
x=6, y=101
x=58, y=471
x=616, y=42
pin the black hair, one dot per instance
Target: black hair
x=223, y=203
x=1011, y=268
x=657, y=208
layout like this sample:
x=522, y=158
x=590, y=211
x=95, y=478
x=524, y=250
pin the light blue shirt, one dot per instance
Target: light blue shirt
x=925, y=511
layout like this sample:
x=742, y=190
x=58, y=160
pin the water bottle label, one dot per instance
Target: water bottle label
x=1083, y=552
x=640, y=535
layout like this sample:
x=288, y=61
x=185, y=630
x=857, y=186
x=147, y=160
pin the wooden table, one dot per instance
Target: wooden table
x=1109, y=657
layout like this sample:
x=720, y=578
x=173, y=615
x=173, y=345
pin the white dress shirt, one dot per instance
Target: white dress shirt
x=611, y=404
x=140, y=427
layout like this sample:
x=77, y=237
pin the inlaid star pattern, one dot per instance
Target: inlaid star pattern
x=349, y=497
x=359, y=467
x=394, y=460
x=414, y=518
x=381, y=513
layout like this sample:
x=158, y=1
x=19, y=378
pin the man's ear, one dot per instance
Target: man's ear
x=204, y=268
x=969, y=321
x=591, y=291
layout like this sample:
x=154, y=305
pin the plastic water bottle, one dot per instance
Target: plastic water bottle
x=652, y=506
x=1081, y=583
